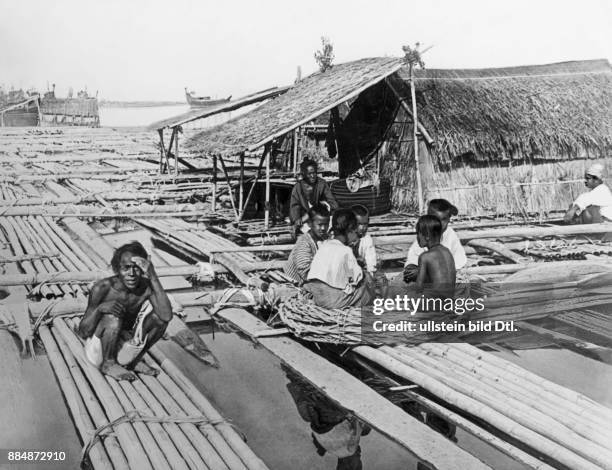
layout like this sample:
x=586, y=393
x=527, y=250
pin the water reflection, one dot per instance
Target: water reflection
x=334, y=430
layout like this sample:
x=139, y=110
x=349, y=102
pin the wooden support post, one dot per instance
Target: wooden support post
x=162, y=150
x=241, y=189
x=214, y=181
x=40, y=116
x=248, y=198
x=229, y=187
x=267, y=203
x=415, y=141
x=295, y=150
x=176, y=152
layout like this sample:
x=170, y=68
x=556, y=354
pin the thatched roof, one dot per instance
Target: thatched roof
x=199, y=113
x=559, y=110
x=308, y=99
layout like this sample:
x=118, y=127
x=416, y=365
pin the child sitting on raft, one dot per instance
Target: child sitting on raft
x=365, y=251
x=335, y=279
x=436, y=274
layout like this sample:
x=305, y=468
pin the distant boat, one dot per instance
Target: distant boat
x=201, y=101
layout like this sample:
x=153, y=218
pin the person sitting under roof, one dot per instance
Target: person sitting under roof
x=365, y=251
x=300, y=258
x=306, y=193
x=126, y=314
x=443, y=210
x=594, y=206
x=335, y=278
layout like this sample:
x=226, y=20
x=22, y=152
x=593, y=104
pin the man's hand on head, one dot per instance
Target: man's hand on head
x=145, y=265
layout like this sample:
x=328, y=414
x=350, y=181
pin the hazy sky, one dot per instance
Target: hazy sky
x=137, y=49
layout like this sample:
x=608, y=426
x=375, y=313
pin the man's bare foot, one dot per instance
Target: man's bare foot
x=117, y=372
x=142, y=368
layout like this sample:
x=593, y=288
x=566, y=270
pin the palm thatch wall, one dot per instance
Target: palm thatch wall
x=510, y=140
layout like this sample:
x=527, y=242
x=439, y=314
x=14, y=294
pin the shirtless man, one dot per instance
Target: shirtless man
x=113, y=310
x=436, y=271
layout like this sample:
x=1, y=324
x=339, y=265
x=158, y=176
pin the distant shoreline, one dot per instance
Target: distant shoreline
x=139, y=104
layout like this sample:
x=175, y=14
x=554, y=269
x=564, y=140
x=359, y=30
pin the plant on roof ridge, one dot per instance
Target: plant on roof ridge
x=325, y=56
x=412, y=56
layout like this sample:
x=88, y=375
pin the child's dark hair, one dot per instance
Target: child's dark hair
x=343, y=221
x=319, y=209
x=442, y=205
x=306, y=163
x=360, y=210
x=132, y=247
x=430, y=227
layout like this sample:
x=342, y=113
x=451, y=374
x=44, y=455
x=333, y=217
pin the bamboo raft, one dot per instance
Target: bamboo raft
x=160, y=422
x=52, y=182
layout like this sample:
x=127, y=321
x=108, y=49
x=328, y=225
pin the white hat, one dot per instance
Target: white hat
x=596, y=170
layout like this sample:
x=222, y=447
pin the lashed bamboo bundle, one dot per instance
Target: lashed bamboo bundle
x=163, y=421
x=476, y=400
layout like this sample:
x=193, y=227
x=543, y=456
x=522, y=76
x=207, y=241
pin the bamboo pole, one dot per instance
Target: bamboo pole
x=415, y=142
x=495, y=442
x=569, y=395
x=267, y=203
x=162, y=149
x=101, y=251
x=207, y=452
x=28, y=257
x=229, y=187
x=175, y=431
x=248, y=198
x=62, y=236
x=97, y=455
x=470, y=405
x=176, y=153
x=27, y=266
x=515, y=383
x=141, y=210
x=224, y=454
x=149, y=443
x=241, y=182
x=526, y=408
x=214, y=195
x=164, y=439
x=111, y=444
x=516, y=411
x=225, y=429
x=498, y=248
x=30, y=243
x=131, y=445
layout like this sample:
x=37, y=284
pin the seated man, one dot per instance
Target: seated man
x=443, y=210
x=335, y=279
x=436, y=274
x=126, y=314
x=300, y=258
x=594, y=206
x=306, y=193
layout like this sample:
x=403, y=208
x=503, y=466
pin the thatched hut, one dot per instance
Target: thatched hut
x=506, y=140
x=509, y=140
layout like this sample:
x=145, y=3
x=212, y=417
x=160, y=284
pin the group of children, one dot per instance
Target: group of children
x=339, y=267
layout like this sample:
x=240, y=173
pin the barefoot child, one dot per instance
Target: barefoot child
x=436, y=271
x=129, y=306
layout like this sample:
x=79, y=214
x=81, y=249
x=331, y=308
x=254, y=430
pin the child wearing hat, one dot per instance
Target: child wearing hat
x=594, y=206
